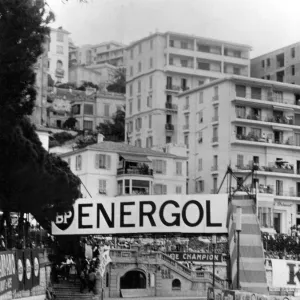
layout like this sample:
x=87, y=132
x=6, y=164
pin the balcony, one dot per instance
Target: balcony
x=172, y=87
x=215, y=139
x=169, y=127
x=171, y=106
x=135, y=171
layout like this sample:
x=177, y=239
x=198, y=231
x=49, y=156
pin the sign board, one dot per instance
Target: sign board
x=194, y=256
x=145, y=214
x=7, y=272
x=286, y=273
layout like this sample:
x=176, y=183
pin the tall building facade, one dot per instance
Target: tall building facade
x=281, y=65
x=59, y=55
x=242, y=122
x=113, y=169
x=161, y=65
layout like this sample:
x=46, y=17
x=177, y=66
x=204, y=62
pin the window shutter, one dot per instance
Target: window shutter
x=79, y=162
x=108, y=162
x=164, y=189
x=164, y=167
x=97, y=157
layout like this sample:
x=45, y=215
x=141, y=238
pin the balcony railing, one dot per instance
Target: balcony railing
x=135, y=171
x=169, y=127
x=215, y=139
x=272, y=168
x=272, y=119
x=171, y=106
x=172, y=87
x=288, y=141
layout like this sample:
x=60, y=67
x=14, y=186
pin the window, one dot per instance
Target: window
x=69, y=162
x=240, y=111
x=151, y=63
x=178, y=168
x=200, y=116
x=215, y=133
x=199, y=164
x=200, y=137
x=106, y=110
x=268, y=62
x=171, y=61
x=102, y=161
x=183, y=45
x=203, y=66
x=298, y=209
x=150, y=82
x=131, y=54
x=88, y=125
x=256, y=93
x=200, y=186
x=240, y=91
x=88, y=109
x=293, y=70
x=140, y=67
x=200, y=82
x=293, y=52
x=279, y=187
x=76, y=109
x=240, y=160
x=236, y=71
x=187, y=102
x=138, y=143
x=139, y=103
x=262, y=63
x=139, y=86
x=78, y=163
x=184, y=63
x=151, y=44
x=150, y=121
x=216, y=90
x=160, y=189
x=59, y=49
x=149, y=142
x=178, y=189
x=159, y=166
x=215, y=162
x=171, y=43
x=60, y=37
x=186, y=140
x=138, y=123
x=102, y=187
x=256, y=132
x=268, y=77
x=130, y=107
x=201, y=97
x=149, y=100
x=131, y=71
x=130, y=90
x=140, y=48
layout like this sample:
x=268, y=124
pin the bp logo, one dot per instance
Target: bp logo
x=36, y=267
x=64, y=221
x=28, y=268
x=20, y=270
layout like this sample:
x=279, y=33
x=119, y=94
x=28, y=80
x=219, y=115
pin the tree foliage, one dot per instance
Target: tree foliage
x=119, y=81
x=70, y=123
x=114, y=130
x=31, y=179
x=86, y=84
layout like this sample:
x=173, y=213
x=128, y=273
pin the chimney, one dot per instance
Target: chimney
x=100, y=138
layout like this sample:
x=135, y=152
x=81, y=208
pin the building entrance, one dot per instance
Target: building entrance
x=134, y=279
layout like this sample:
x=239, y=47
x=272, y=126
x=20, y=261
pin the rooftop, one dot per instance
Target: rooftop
x=245, y=80
x=122, y=148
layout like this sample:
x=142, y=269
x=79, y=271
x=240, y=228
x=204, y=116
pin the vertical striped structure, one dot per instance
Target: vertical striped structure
x=252, y=269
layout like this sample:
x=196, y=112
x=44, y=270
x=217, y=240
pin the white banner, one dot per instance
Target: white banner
x=104, y=261
x=286, y=273
x=145, y=214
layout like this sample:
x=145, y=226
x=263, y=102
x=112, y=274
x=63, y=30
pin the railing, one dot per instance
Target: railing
x=267, y=168
x=169, y=127
x=171, y=106
x=215, y=139
x=273, y=119
x=135, y=171
x=172, y=87
x=288, y=141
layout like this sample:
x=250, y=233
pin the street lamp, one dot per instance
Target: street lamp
x=214, y=241
x=238, y=229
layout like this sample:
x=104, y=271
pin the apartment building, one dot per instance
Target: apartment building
x=161, y=65
x=113, y=169
x=241, y=122
x=88, y=107
x=280, y=65
x=58, y=55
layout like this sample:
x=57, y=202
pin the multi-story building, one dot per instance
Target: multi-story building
x=79, y=74
x=162, y=64
x=89, y=108
x=280, y=65
x=112, y=169
x=59, y=55
x=241, y=122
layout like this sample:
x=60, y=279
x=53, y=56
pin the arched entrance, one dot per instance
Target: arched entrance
x=134, y=279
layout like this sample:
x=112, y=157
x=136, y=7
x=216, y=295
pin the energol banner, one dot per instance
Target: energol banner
x=145, y=214
x=194, y=256
x=286, y=273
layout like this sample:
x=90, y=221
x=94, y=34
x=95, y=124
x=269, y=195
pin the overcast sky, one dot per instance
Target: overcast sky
x=265, y=25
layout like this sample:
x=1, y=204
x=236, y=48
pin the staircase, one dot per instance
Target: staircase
x=66, y=290
x=252, y=270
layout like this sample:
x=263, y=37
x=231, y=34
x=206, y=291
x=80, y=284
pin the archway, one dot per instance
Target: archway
x=134, y=279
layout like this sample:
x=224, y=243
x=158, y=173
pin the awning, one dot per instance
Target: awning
x=279, y=128
x=283, y=108
x=135, y=158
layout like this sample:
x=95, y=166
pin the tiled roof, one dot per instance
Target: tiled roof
x=125, y=148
